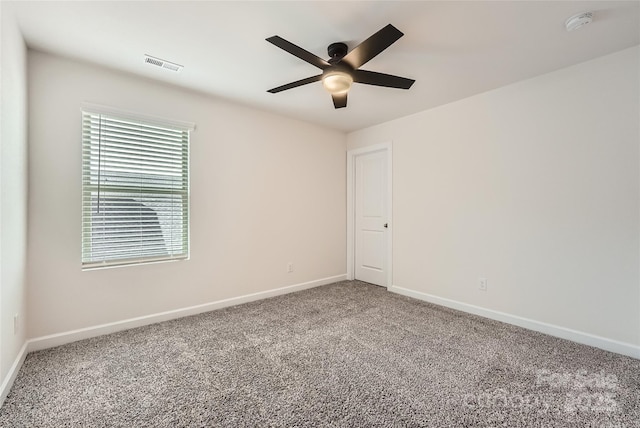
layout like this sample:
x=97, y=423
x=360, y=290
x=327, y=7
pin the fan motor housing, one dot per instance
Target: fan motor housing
x=337, y=51
x=338, y=67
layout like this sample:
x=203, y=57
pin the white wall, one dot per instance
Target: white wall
x=265, y=191
x=13, y=186
x=534, y=186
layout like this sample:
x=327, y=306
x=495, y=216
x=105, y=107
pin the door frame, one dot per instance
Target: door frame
x=351, y=159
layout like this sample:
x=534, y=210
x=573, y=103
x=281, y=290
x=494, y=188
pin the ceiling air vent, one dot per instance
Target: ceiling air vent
x=148, y=59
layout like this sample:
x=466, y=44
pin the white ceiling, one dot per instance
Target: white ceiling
x=453, y=49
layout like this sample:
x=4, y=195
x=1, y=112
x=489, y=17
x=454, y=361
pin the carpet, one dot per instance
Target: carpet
x=347, y=354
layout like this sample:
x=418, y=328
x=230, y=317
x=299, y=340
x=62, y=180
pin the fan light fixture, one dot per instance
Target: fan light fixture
x=337, y=82
x=342, y=69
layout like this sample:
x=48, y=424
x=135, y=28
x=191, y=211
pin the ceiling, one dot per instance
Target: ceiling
x=453, y=49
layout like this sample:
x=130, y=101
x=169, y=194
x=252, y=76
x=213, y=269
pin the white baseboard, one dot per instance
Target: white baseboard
x=53, y=340
x=550, y=329
x=13, y=372
x=58, y=339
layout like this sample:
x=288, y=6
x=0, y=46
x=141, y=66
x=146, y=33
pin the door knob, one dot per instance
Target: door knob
x=386, y=225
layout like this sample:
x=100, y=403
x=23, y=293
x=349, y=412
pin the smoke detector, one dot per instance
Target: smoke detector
x=579, y=20
x=167, y=65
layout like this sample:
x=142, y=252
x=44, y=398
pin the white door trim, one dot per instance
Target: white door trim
x=351, y=158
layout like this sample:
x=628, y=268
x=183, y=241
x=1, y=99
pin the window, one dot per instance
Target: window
x=135, y=191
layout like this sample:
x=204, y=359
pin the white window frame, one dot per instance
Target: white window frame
x=89, y=263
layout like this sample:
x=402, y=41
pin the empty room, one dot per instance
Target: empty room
x=320, y=214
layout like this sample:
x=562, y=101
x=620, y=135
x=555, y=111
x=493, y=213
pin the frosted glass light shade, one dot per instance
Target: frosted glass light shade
x=337, y=82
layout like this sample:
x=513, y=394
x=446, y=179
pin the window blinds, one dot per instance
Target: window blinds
x=135, y=191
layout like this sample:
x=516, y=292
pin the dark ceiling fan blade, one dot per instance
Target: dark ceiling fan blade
x=371, y=47
x=296, y=84
x=381, y=79
x=339, y=100
x=299, y=52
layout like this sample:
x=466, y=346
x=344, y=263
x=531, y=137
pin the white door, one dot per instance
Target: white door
x=370, y=210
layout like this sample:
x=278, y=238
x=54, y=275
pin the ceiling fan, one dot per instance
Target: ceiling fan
x=343, y=67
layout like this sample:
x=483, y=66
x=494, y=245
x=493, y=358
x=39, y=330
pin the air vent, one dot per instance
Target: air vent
x=148, y=59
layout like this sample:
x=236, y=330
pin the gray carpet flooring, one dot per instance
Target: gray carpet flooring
x=344, y=355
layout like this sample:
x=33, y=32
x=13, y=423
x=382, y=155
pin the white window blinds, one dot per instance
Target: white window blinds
x=135, y=191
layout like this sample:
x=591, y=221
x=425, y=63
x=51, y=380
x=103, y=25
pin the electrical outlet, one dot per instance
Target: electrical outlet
x=290, y=267
x=482, y=284
x=15, y=324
